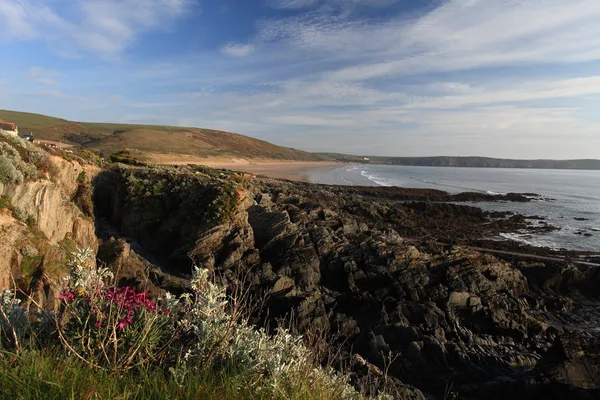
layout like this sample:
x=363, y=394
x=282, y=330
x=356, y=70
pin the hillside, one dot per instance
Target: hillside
x=50, y=128
x=146, y=140
x=466, y=162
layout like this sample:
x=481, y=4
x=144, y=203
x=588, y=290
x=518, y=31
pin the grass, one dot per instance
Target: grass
x=31, y=121
x=53, y=375
x=110, y=128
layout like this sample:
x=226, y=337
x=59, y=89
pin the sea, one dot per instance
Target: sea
x=568, y=199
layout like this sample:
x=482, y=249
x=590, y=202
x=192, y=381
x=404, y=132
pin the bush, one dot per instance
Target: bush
x=46, y=165
x=20, y=160
x=9, y=172
x=20, y=214
x=14, y=320
x=90, y=157
x=124, y=157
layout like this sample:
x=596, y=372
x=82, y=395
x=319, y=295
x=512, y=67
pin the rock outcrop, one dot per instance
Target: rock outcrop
x=36, y=249
x=370, y=269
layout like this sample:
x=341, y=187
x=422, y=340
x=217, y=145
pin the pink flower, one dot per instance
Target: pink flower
x=67, y=296
x=123, y=323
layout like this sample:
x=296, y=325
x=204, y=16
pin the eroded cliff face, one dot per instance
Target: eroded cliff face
x=36, y=249
x=438, y=318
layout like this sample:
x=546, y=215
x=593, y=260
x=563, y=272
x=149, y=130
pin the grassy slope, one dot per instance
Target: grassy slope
x=192, y=141
x=152, y=138
x=50, y=128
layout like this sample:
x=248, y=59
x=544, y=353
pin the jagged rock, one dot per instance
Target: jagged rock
x=459, y=299
x=336, y=258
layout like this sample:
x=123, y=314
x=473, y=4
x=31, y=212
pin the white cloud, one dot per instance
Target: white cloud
x=43, y=76
x=299, y=4
x=459, y=35
x=238, y=50
x=15, y=20
x=105, y=27
x=292, y=4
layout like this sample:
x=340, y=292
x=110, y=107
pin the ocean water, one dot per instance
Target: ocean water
x=570, y=199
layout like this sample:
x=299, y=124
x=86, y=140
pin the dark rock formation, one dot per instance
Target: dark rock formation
x=368, y=265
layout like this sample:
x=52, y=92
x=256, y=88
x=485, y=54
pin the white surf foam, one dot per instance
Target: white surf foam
x=376, y=179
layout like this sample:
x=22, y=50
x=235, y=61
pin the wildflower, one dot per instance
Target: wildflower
x=67, y=296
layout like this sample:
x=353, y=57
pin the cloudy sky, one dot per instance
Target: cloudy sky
x=504, y=78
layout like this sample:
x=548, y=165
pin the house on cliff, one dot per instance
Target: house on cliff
x=8, y=127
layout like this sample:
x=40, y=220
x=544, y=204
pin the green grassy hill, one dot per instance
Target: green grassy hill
x=144, y=139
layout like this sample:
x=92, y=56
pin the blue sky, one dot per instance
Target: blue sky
x=503, y=78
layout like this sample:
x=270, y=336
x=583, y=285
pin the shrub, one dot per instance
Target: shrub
x=124, y=157
x=9, y=172
x=14, y=321
x=272, y=364
x=109, y=327
x=115, y=328
x=20, y=214
x=46, y=165
x=90, y=157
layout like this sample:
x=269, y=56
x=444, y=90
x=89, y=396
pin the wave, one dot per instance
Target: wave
x=494, y=193
x=529, y=240
x=376, y=179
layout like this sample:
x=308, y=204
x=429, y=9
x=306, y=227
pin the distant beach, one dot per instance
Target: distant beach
x=302, y=171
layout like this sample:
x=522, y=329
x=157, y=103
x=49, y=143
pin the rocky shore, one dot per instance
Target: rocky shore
x=387, y=273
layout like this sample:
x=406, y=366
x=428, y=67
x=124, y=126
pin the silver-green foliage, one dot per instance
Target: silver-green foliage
x=8, y=171
x=12, y=167
x=272, y=363
x=14, y=321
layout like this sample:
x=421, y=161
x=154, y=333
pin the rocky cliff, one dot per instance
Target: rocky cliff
x=41, y=224
x=424, y=318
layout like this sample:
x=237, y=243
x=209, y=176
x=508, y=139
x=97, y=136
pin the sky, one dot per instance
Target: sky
x=498, y=78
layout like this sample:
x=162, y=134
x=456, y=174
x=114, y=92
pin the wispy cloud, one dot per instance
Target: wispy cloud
x=43, y=76
x=238, y=50
x=104, y=27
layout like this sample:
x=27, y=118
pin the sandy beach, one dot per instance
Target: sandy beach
x=292, y=170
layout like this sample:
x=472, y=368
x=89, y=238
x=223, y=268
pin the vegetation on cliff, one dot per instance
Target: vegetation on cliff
x=21, y=161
